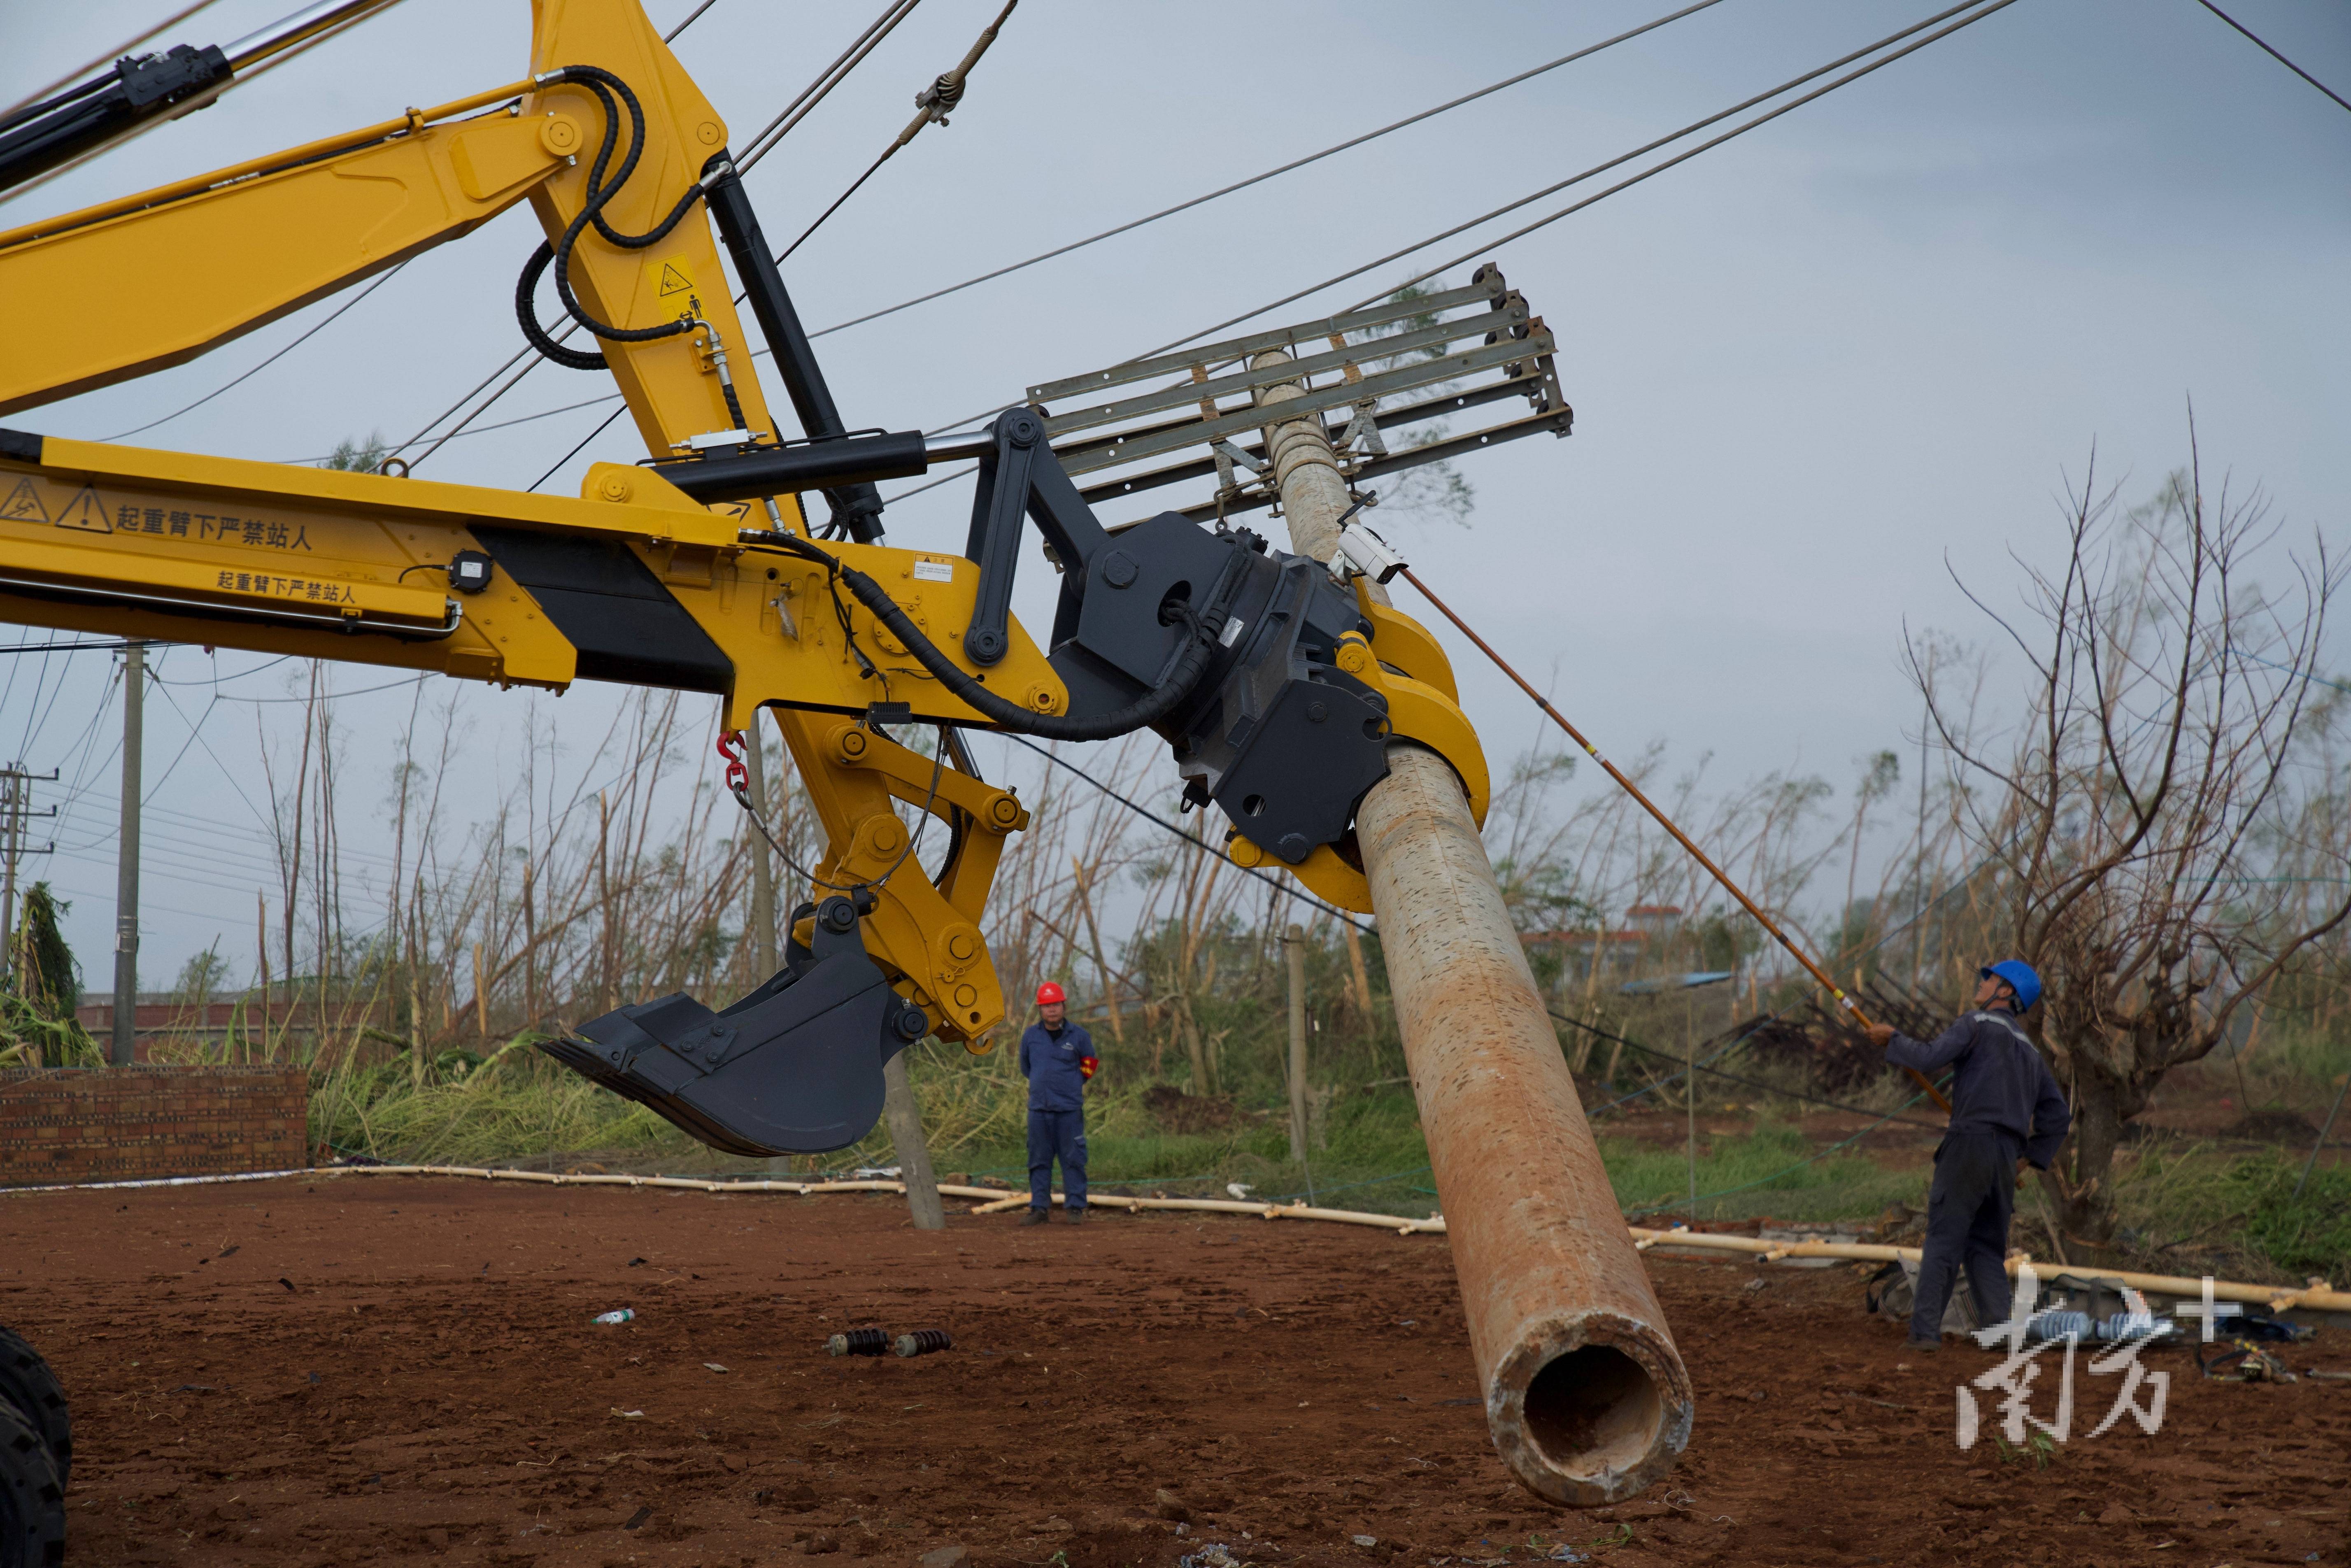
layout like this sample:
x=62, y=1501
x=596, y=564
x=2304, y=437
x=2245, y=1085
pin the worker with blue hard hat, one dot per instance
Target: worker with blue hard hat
x=2006, y=1112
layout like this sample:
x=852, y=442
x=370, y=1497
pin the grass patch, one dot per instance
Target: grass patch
x=2186, y=1210
x=1772, y=1170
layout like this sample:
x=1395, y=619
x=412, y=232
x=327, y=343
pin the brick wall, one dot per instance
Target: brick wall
x=132, y=1123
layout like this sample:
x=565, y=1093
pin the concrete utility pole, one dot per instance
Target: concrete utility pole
x=126, y=861
x=905, y=1119
x=763, y=871
x=1586, y=1398
x=1293, y=953
x=762, y=889
x=12, y=833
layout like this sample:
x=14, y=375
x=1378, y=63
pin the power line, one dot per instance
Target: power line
x=1201, y=845
x=670, y=37
x=272, y=360
x=1625, y=158
x=1294, y=164
x=1329, y=151
x=805, y=104
x=1588, y=173
x=501, y=424
x=847, y=60
x=2273, y=53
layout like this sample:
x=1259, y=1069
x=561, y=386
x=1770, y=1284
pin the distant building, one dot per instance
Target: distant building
x=1648, y=928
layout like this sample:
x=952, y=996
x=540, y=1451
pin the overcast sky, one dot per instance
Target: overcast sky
x=1814, y=371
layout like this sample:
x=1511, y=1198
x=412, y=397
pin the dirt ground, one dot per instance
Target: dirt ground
x=397, y=1369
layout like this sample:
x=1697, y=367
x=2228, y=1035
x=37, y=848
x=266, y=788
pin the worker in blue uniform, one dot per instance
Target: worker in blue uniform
x=2006, y=1112
x=1057, y=1056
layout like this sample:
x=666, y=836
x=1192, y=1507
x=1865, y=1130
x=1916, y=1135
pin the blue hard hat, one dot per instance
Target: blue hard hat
x=2020, y=977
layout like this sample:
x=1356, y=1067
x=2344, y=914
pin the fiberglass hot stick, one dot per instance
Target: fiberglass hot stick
x=1666, y=822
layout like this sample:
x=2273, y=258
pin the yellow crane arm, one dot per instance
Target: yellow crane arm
x=1277, y=687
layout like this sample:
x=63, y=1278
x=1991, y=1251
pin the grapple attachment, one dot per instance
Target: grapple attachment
x=794, y=1067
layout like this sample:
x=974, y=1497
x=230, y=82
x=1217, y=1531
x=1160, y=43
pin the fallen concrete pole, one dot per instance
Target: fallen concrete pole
x=1586, y=1398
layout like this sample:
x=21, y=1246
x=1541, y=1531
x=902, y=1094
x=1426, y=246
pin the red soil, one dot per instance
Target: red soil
x=429, y=1387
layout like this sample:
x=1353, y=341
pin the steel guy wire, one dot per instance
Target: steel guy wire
x=2273, y=54
x=931, y=107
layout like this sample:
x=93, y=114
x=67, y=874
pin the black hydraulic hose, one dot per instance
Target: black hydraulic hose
x=1144, y=711
x=527, y=312
x=601, y=192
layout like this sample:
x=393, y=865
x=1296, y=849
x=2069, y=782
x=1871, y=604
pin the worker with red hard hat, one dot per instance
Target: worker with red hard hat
x=1057, y=1056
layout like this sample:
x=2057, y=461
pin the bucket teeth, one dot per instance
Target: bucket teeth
x=794, y=1067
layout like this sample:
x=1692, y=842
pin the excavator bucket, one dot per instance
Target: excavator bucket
x=794, y=1067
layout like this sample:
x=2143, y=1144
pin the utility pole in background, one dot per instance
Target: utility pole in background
x=1587, y=1399
x=763, y=887
x=15, y=806
x=126, y=859
x=763, y=872
x=1293, y=956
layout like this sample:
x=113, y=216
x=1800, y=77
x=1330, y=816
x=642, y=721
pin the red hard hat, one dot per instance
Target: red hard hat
x=1049, y=993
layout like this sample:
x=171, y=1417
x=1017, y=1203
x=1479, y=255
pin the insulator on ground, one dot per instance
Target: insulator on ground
x=859, y=1342
x=922, y=1341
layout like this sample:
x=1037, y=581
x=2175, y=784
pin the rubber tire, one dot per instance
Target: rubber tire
x=32, y=1502
x=26, y=1382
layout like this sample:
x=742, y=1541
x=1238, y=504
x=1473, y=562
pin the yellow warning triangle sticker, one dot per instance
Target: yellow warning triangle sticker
x=24, y=505
x=675, y=279
x=86, y=512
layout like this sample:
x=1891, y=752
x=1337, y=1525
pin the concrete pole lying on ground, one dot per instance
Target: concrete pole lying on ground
x=1586, y=1398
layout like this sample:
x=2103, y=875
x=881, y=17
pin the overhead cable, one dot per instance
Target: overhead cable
x=1487, y=246
x=1260, y=178
x=794, y=112
x=934, y=103
x=318, y=327
x=931, y=107
x=2273, y=54
x=371, y=288
x=1596, y=168
x=1201, y=845
x=827, y=79
x=1131, y=225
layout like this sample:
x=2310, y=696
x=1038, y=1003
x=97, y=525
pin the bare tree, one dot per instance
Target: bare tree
x=2132, y=825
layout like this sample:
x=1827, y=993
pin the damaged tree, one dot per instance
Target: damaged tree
x=2153, y=831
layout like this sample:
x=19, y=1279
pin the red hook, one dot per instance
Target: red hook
x=730, y=747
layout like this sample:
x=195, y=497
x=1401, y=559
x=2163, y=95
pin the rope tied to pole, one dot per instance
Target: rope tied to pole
x=1719, y=875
